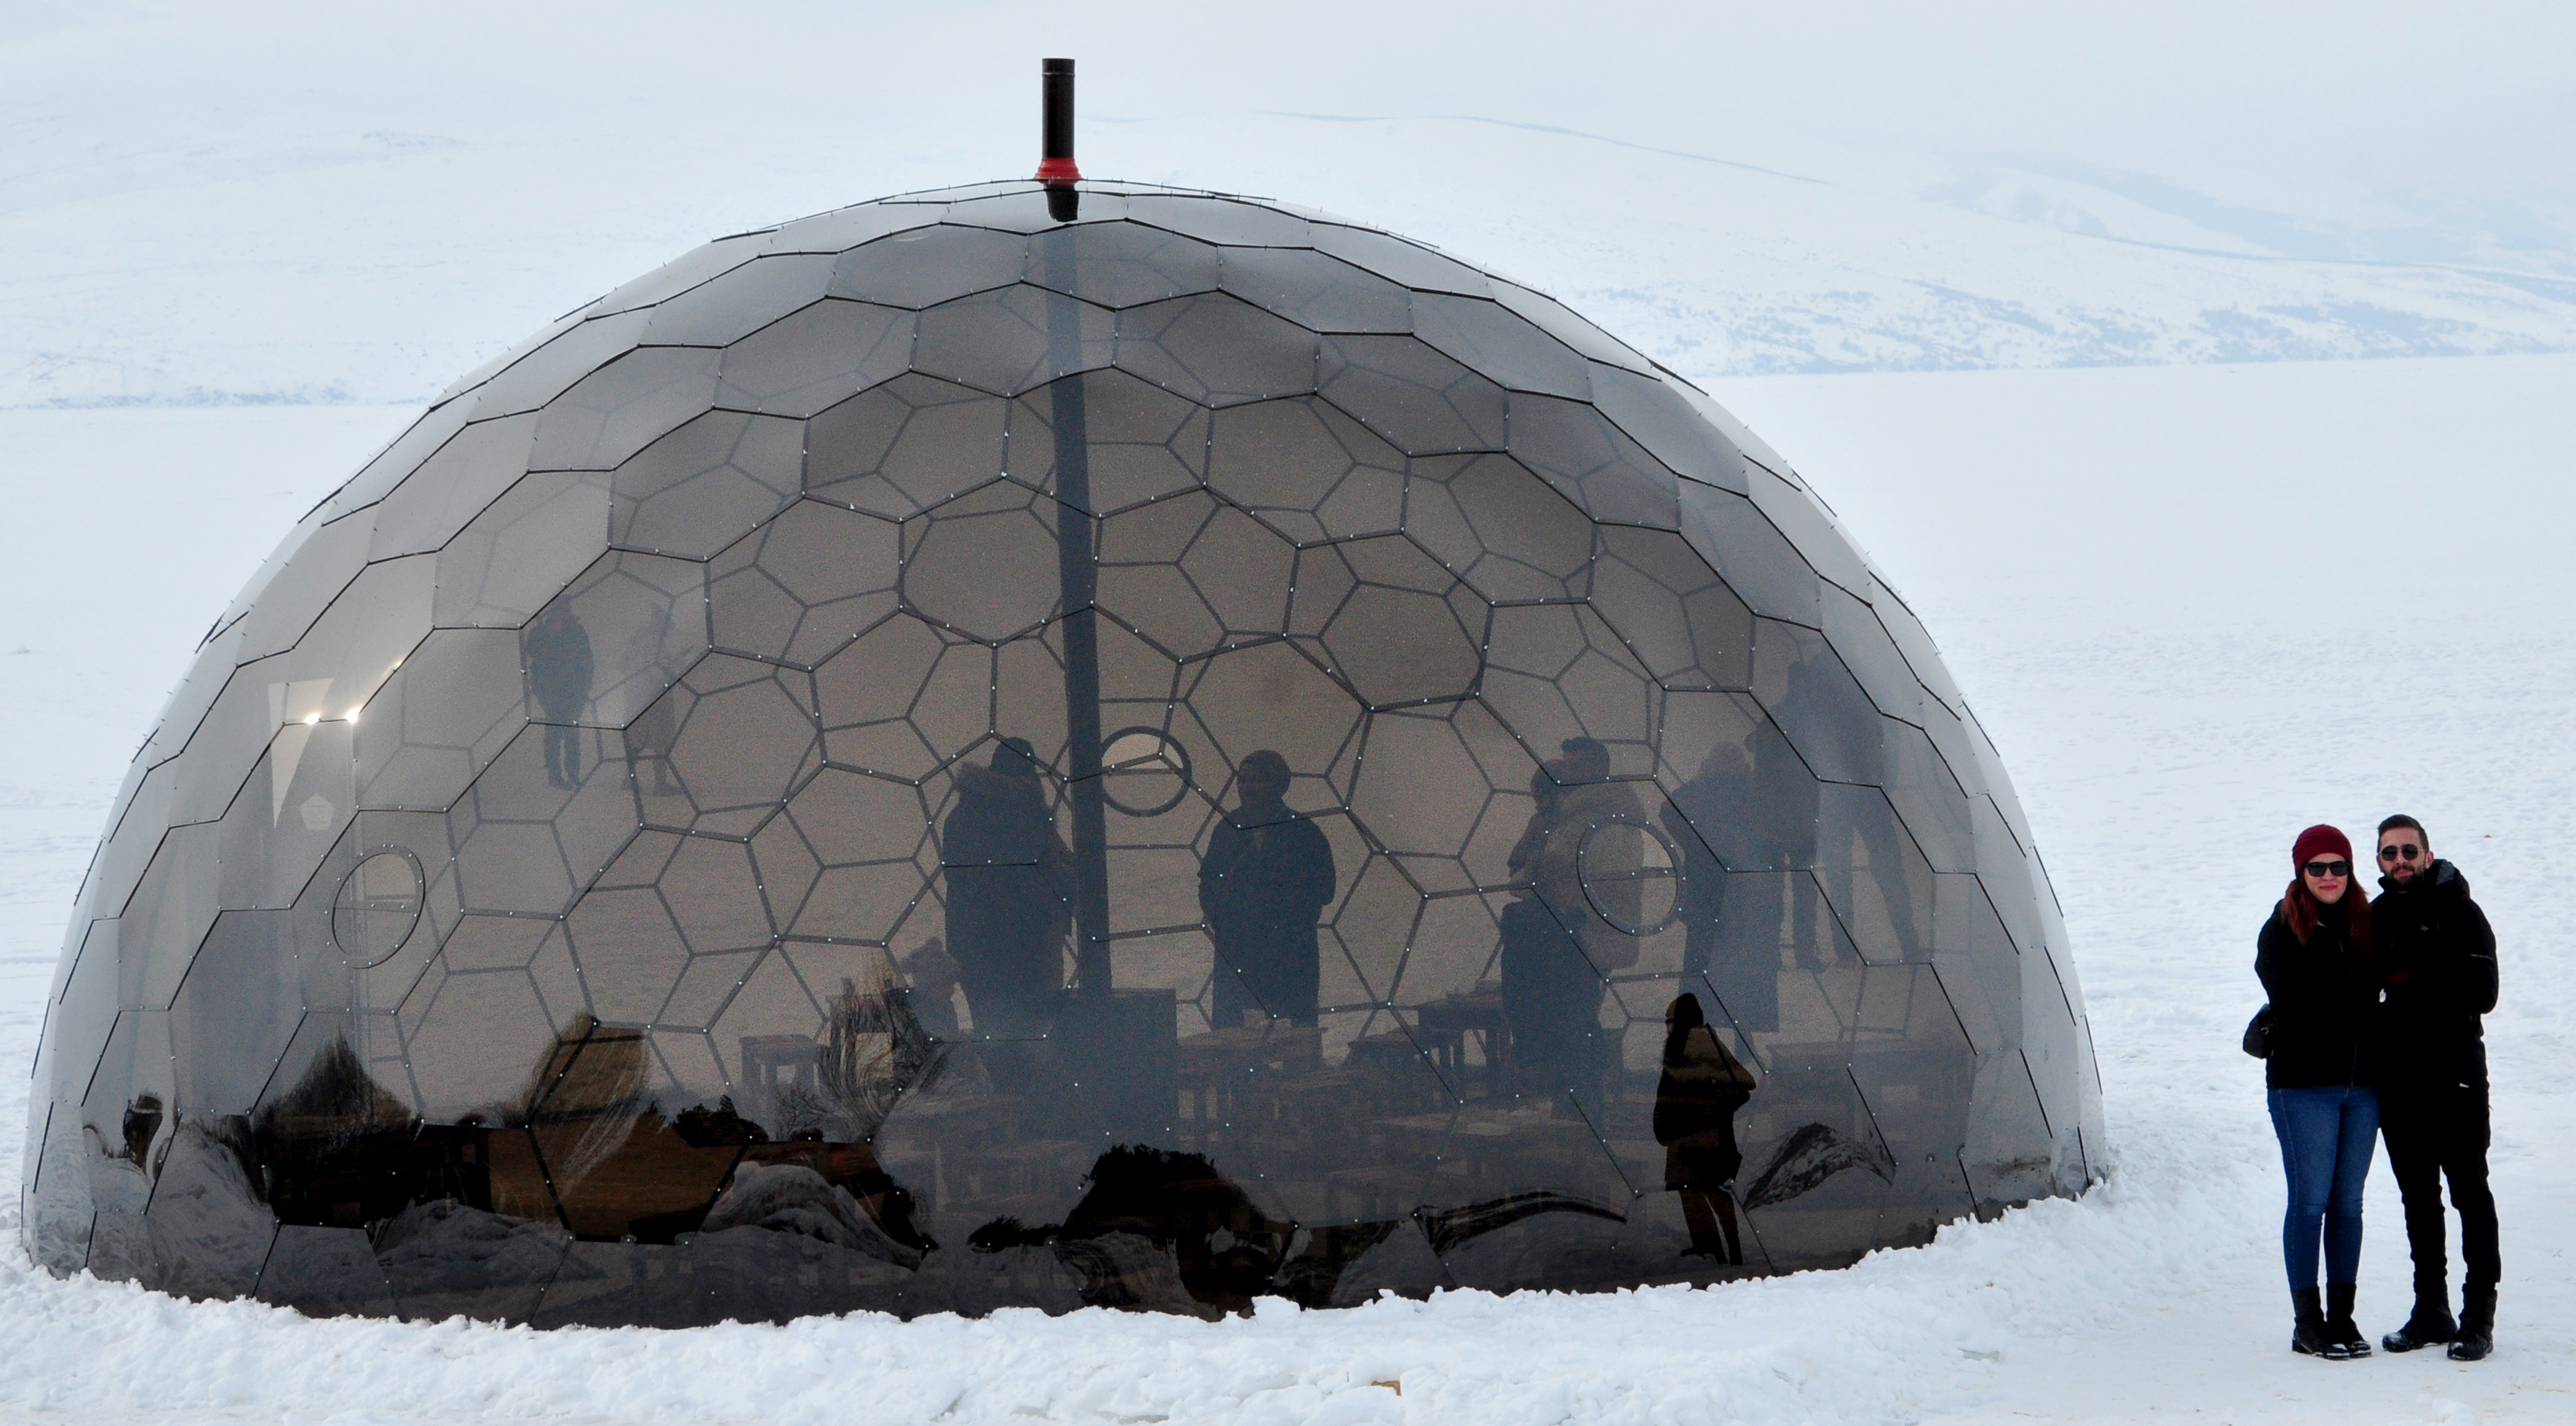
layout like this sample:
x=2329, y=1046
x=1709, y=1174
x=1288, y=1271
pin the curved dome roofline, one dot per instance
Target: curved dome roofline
x=740, y=808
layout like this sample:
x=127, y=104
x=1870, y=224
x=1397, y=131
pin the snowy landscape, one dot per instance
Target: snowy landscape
x=2205, y=574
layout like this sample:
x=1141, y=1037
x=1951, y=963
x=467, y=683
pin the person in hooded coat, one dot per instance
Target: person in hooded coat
x=1010, y=894
x=1695, y=1103
x=2315, y=959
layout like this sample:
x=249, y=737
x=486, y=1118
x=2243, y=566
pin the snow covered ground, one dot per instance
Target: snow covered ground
x=2197, y=607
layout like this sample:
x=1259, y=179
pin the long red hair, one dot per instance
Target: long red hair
x=2301, y=910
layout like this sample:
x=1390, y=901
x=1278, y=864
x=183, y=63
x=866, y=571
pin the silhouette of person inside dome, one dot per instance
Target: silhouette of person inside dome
x=1730, y=933
x=1786, y=802
x=1267, y=875
x=1695, y=1103
x=1557, y=950
x=1545, y=978
x=649, y=737
x=1587, y=861
x=560, y=671
x=934, y=986
x=1010, y=894
x=1835, y=722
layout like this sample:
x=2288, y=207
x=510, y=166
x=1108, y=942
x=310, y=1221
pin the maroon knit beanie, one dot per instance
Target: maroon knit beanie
x=2319, y=838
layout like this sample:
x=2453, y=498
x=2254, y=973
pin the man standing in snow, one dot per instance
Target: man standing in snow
x=2441, y=959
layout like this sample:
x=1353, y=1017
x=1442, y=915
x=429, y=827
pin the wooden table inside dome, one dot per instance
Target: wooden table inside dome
x=1216, y=1067
x=1443, y=1026
x=1495, y=1144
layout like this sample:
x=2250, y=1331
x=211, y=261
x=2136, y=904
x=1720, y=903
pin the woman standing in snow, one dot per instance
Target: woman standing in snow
x=2316, y=962
x=1695, y=1103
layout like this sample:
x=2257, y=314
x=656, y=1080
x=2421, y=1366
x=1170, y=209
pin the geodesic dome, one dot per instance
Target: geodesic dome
x=937, y=757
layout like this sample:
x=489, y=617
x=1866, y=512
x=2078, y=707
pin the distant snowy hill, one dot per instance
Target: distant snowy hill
x=1928, y=267
x=357, y=207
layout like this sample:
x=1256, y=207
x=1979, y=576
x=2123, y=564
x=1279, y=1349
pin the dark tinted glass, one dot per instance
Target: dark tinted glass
x=932, y=760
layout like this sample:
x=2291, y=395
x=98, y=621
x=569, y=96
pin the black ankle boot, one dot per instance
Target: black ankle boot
x=2477, y=1325
x=2344, y=1341
x=2308, y=1330
x=2430, y=1323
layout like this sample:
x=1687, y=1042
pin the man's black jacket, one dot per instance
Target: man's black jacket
x=2439, y=957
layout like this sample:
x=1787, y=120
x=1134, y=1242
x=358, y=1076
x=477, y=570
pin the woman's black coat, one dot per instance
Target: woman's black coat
x=2324, y=999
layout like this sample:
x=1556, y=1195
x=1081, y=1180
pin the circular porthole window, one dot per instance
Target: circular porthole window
x=1143, y=772
x=1631, y=874
x=377, y=908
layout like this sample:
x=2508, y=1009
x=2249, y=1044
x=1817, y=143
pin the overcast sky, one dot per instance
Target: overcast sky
x=308, y=200
x=2315, y=107
x=2254, y=102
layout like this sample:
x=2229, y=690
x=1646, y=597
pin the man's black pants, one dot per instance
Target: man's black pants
x=2436, y=1134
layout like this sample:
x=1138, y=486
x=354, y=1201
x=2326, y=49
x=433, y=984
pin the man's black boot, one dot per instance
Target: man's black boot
x=2431, y=1322
x=2344, y=1341
x=2308, y=1331
x=2477, y=1325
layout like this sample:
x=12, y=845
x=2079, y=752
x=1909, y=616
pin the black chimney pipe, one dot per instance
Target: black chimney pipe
x=1055, y=157
x=1055, y=161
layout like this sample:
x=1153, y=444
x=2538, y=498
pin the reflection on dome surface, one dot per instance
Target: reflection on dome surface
x=935, y=758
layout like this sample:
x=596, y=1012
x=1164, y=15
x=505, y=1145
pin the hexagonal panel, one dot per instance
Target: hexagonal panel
x=985, y=564
x=623, y=407
x=1677, y=616
x=1216, y=350
x=441, y=717
x=1496, y=341
x=525, y=840
x=1137, y=443
x=1421, y=401
x=453, y=486
x=705, y=485
x=727, y=308
x=522, y=550
x=1307, y=469
x=904, y=447
x=1316, y=291
x=1120, y=264
x=815, y=356
x=1500, y=527
x=1397, y=634
x=1010, y=340
x=1593, y=463
x=739, y=738
x=924, y=266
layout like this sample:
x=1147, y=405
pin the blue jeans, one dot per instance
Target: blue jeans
x=2326, y=1140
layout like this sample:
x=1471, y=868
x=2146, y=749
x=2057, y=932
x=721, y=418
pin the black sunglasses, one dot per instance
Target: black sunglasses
x=2405, y=853
x=2328, y=868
